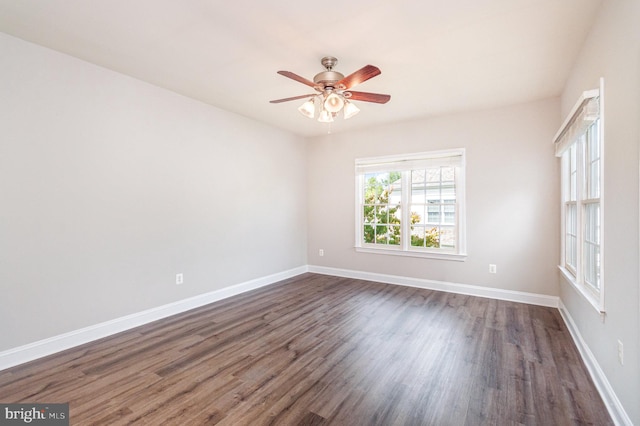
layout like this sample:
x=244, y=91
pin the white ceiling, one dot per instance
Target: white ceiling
x=436, y=56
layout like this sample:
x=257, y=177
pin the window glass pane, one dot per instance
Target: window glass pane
x=425, y=236
x=594, y=180
x=372, y=188
x=417, y=236
x=369, y=234
x=448, y=174
x=395, y=196
x=432, y=237
x=381, y=234
x=591, y=245
x=417, y=214
x=448, y=194
x=566, y=175
x=592, y=223
x=594, y=140
x=592, y=169
x=571, y=219
x=369, y=213
x=395, y=215
x=449, y=214
x=433, y=175
x=573, y=172
x=433, y=193
x=417, y=176
x=447, y=237
x=571, y=252
x=592, y=266
x=418, y=194
x=394, y=234
x=433, y=213
x=383, y=215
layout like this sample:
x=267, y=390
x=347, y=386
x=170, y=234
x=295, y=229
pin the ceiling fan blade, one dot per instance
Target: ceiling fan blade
x=297, y=78
x=360, y=76
x=369, y=97
x=277, y=101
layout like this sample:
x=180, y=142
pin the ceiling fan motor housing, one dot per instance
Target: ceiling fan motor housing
x=329, y=77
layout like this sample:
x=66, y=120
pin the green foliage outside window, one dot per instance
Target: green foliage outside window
x=431, y=236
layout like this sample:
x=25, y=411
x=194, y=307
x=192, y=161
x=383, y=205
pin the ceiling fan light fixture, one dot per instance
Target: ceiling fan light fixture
x=325, y=116
x=350, y=110
x=334, y=91
x=308, y=109
x=333, y=103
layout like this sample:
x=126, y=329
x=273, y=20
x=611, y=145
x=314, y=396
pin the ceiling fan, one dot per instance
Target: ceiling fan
x=334, y=91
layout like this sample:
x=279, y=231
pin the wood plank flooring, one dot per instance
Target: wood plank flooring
x=321, y=350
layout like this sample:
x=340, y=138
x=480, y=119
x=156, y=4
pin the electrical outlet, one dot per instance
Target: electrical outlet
x=492, y=269
x=321, y=252
x=620, y=352
x=179, y=279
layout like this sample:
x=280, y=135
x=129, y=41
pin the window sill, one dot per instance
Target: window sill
x=581, y=290
x=425, y=255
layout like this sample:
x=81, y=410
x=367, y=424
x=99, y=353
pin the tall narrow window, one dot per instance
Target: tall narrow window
x=411, y=204
x=579, y=144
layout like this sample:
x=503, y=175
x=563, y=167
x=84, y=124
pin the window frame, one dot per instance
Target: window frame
x=423, y=160
x=581, y=198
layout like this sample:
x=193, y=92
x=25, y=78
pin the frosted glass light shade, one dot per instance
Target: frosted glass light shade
x=308, y=108
x=333, y=103
x=350, y=110
x=325, y=117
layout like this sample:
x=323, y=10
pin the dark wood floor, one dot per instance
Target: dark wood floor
x=320, y=350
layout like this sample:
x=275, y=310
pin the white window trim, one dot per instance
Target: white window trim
x=423, y=254
x=405, y=249
x=595, y=298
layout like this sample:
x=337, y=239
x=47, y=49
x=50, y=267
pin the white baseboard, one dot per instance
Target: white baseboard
x=471, y=290
x=42, y=348
x=615, y=408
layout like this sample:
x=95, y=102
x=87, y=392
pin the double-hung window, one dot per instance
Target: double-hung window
x=412, y=204
x=579, y=145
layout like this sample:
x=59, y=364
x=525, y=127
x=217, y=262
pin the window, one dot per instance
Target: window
x=411, y=204
x=579, y=144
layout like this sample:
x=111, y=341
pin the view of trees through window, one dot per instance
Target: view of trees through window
x=382, y=208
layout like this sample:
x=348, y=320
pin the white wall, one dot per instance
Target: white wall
x=612, y=51
x=110, y=186
x=512, y=196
